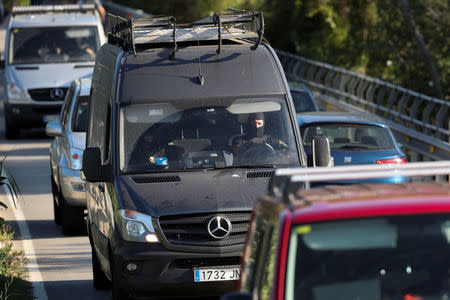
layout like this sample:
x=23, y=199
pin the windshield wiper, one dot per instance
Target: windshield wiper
x=245, y=166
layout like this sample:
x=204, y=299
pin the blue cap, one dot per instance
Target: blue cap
x=161, y=161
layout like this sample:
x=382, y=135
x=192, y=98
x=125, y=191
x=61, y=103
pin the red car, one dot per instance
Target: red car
x=366, y=241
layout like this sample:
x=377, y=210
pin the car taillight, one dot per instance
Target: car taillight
x=397, y=160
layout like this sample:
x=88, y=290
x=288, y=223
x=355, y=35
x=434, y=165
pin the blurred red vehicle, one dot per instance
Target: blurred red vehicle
x=365, y=241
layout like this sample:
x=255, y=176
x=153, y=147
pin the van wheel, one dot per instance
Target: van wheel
x=117, y=292
x=56, y=207
x=11, y=130
x=101, y=281
x=72, y=218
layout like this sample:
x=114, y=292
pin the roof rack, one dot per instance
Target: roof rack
x=45, y=9
x=233, y=24
x=286, y=182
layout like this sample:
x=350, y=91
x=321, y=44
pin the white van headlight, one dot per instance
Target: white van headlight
x=15, y=92
x=136, y=227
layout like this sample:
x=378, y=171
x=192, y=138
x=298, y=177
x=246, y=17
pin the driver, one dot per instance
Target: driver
x=255, y=132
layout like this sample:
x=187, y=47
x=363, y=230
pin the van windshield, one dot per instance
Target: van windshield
x=399, y=257
x=204, y=134
x=53, y=45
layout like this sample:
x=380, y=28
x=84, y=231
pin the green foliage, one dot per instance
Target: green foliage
x=9, y=3
x=367, y=36
x=12, y=284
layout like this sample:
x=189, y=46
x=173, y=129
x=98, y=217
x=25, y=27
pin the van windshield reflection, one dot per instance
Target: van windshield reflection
x=201, y=134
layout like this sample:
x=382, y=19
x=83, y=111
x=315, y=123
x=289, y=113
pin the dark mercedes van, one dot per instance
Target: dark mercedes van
x=186, y=126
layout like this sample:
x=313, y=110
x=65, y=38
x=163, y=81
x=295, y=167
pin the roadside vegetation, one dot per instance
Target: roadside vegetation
x=12, y=274
x=405, y=42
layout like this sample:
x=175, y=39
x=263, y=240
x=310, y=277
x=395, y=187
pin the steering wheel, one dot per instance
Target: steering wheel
x=256, y=153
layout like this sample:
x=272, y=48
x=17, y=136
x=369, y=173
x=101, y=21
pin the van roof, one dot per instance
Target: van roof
x=236, y=71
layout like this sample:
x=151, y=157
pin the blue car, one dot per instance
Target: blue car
x=303, y=100
x=354, y=139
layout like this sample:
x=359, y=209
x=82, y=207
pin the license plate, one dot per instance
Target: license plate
x=217, y=274
x=48, y=118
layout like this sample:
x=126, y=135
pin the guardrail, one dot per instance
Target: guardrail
x=419, y=121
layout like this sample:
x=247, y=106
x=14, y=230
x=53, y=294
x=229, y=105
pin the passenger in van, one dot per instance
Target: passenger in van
x=152, y=150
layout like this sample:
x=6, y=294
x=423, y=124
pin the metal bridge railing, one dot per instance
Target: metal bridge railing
x=421, y=121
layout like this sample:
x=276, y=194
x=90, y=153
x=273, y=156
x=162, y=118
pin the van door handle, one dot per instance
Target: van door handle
x=101, y=188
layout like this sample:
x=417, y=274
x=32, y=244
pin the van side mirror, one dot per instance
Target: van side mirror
x=237, y=296
x=93, y=169
x=2, y=64
x=53, y=128
x=321, y=152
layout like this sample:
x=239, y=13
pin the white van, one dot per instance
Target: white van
x=47, y=47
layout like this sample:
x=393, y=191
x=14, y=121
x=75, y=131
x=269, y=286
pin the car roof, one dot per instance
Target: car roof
x=338, y=117
x=370, y=200
x=236, y=71
x=54, y=20
x=85, y=84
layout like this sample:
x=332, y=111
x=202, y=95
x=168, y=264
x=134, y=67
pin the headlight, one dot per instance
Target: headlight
x=15, y=92
x=76, y=158
x=136, y=227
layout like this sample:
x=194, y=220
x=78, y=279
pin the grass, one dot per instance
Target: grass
x=13, y=286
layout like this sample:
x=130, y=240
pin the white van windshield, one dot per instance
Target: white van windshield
x=53, y=45
x=202, y=134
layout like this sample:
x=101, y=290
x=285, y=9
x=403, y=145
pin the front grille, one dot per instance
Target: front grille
x=48, y=94
x=259, y=174
x=192, y=230
x=156, y=179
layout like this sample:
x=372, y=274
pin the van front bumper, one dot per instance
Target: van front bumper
x=31, y=115
x=161, y=272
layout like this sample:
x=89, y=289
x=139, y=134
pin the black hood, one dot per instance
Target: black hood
x=193, y=192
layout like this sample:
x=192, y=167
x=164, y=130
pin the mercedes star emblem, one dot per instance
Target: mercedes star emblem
x=219, y=227
x=57, y=94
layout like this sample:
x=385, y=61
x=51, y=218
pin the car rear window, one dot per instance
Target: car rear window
x=376, y=258
x=80, y=114
x=355, y=137
x=303, y=102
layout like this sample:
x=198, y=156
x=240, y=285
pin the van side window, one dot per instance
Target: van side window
x=98, y=132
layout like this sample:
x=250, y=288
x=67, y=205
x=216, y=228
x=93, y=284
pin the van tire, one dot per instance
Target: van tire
x=56, y=207
x=11, y=130
x=72, y=218
x=100, y=280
